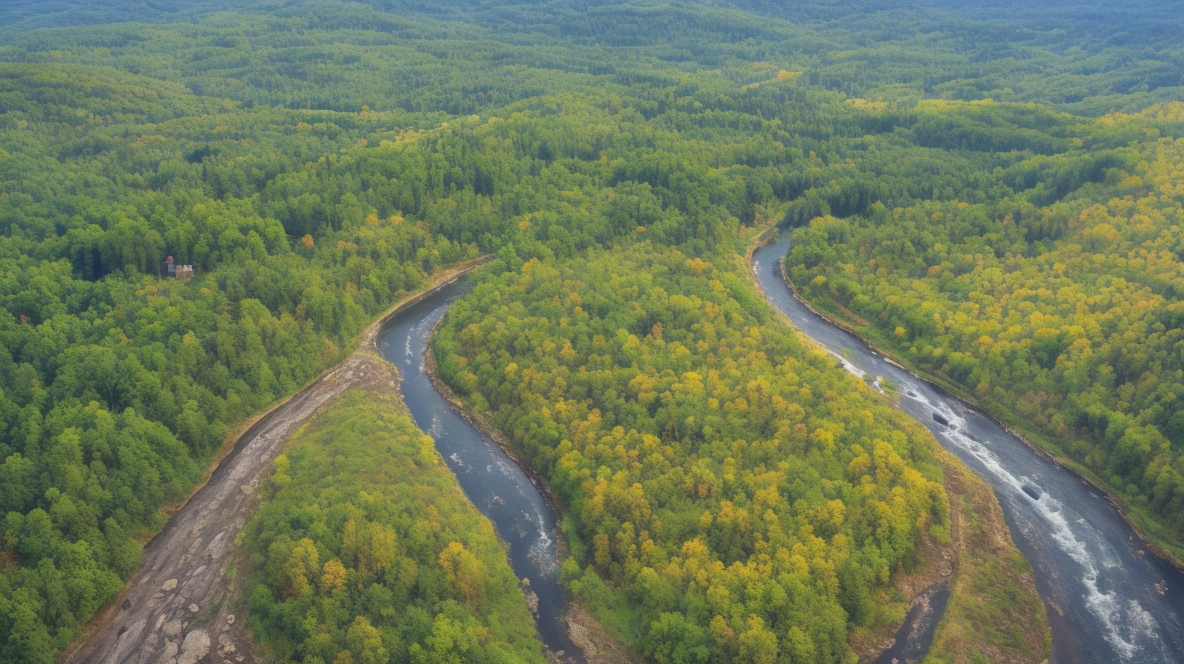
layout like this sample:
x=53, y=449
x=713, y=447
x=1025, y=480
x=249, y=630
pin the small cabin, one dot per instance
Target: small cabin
x=175, y=271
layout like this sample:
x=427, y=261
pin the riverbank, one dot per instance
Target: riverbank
x=994, y=609
x=990, y=582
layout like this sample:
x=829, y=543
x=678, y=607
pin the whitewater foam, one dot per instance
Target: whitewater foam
x=542, y=550
x=851, y=368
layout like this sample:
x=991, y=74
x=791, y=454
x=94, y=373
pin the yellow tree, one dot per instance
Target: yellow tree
x=302, y=563
x=465, y=573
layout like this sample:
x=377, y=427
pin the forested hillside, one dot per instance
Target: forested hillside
x=1087, y=57
x=314, y=162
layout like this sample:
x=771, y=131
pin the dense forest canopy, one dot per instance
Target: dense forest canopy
x=316, y=161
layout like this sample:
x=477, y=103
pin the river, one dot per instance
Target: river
x=1109, y=599
x=499, y=488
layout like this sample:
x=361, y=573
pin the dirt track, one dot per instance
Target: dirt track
x=176, y=610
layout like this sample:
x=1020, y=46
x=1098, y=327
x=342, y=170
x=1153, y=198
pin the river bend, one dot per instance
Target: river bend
x=1109, y=599
x=499, y=488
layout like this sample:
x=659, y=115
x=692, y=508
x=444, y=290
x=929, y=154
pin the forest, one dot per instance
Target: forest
x=354, y=566
x=732, y=495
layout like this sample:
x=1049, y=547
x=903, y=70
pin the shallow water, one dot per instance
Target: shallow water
x=491, y=479
x=1109, y=600
x=916, y=634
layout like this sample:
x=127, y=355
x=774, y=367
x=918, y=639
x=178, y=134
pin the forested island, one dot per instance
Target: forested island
x=992, y=196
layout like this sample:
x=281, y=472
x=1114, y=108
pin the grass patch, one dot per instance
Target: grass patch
x=994, y=613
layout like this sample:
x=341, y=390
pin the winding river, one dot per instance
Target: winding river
x=1109, y=600
x=499, y=488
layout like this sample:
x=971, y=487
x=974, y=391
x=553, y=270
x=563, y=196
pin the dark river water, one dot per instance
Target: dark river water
x=491, y=479
x=1108, y=599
